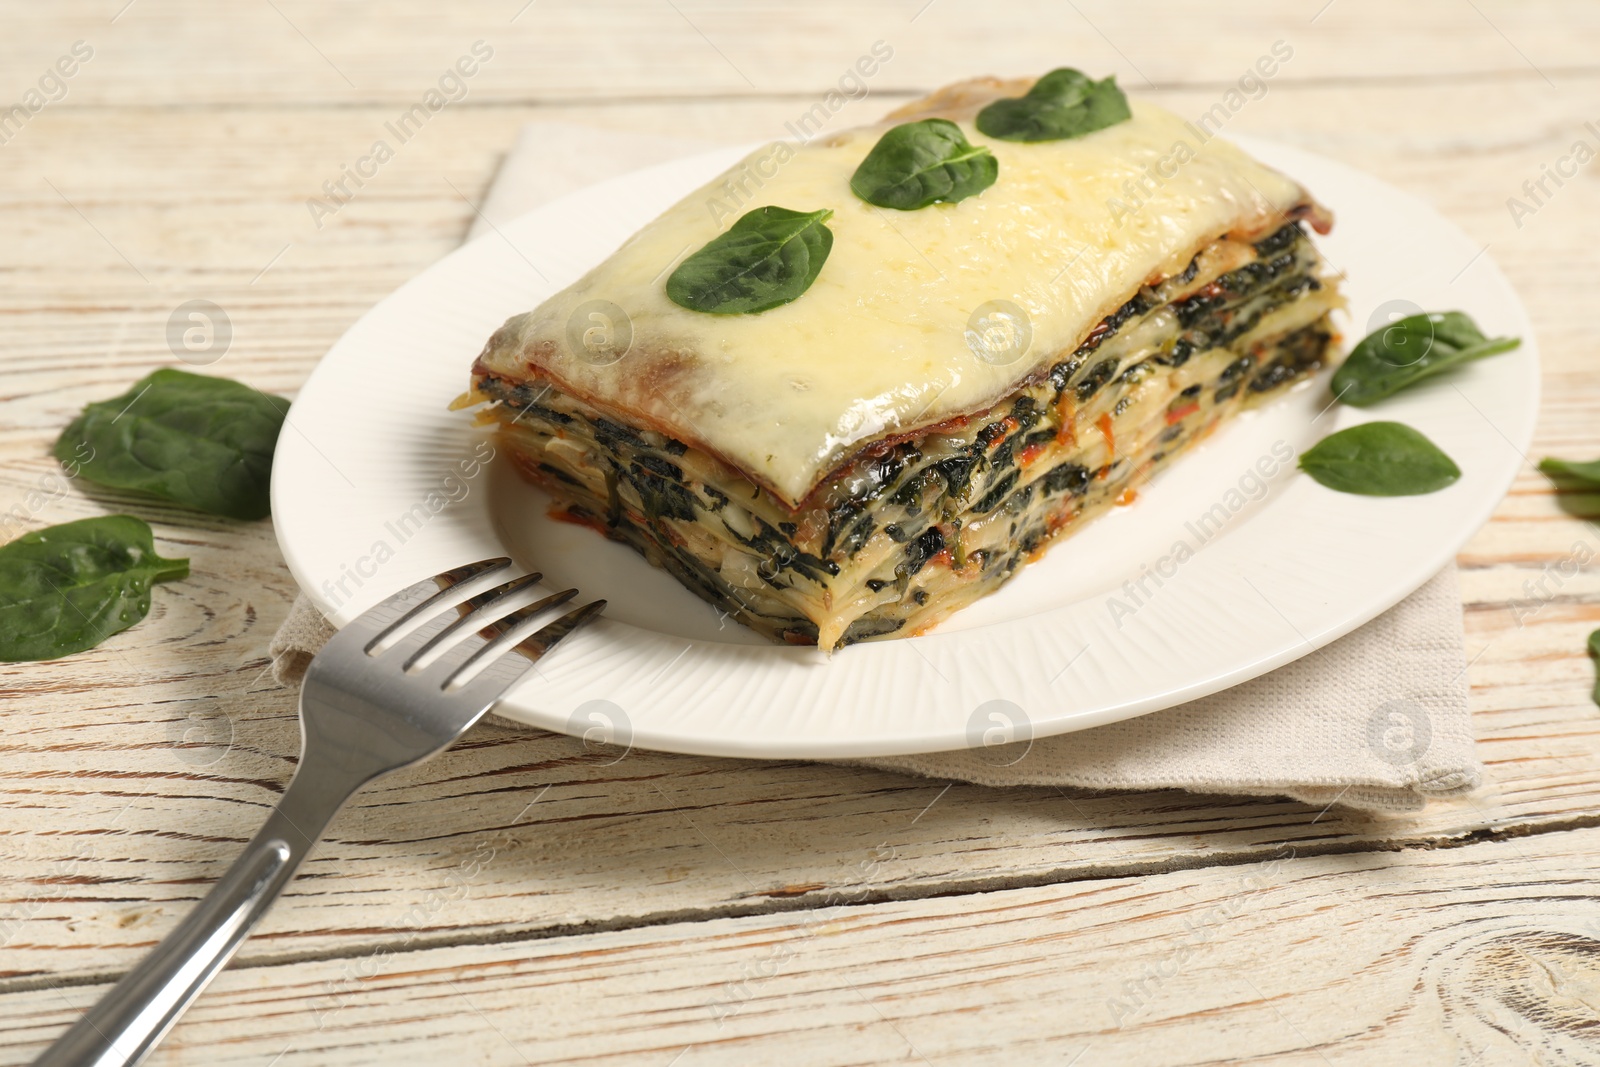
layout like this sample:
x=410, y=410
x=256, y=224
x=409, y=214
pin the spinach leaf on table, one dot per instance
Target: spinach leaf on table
x=766, y=259
x=1594, y=651
x=202, y=442
x=1379, y=459
x=1588, y=473
x=1410, y=349
x=920, y=163
x=66, y=588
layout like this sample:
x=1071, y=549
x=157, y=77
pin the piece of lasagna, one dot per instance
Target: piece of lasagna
x=956, y=386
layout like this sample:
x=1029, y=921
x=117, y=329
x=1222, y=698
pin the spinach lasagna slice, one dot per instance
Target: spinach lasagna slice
x=866, y=459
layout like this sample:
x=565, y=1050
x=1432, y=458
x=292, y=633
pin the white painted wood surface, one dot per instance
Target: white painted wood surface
x=614, y=915
x=1480, y=954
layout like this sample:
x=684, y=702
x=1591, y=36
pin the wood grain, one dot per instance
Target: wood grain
x=1488, y=953
x=190, y=54
x=179, y=166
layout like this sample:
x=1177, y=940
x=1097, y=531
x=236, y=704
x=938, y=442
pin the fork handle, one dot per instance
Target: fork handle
x=126, y=1023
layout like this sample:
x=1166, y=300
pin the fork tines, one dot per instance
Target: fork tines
x=481, y=628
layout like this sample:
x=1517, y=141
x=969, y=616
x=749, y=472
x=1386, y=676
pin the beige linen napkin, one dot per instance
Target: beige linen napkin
x=1377, y=720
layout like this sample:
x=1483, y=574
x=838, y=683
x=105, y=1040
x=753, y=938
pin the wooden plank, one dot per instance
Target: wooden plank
x=95, y=755
x=186, y=53
x=1480, y=954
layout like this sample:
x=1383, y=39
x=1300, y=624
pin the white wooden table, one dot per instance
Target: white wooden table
x=518, y=900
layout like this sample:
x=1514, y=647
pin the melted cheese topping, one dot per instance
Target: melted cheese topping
x=880, y=342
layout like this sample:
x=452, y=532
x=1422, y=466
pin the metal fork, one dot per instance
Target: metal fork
x=395, y=687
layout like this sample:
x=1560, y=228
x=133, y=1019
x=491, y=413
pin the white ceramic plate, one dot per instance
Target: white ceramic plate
x=373, y=488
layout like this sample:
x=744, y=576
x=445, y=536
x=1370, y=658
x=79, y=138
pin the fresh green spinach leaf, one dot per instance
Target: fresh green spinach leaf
x=1409, y=350
x=1379, y=459
x=1588, y=473
x=1064, y=103
x=203, y=442
x=67, y=588
x=767, y=258
x=1594, y=652
x=920, y=163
